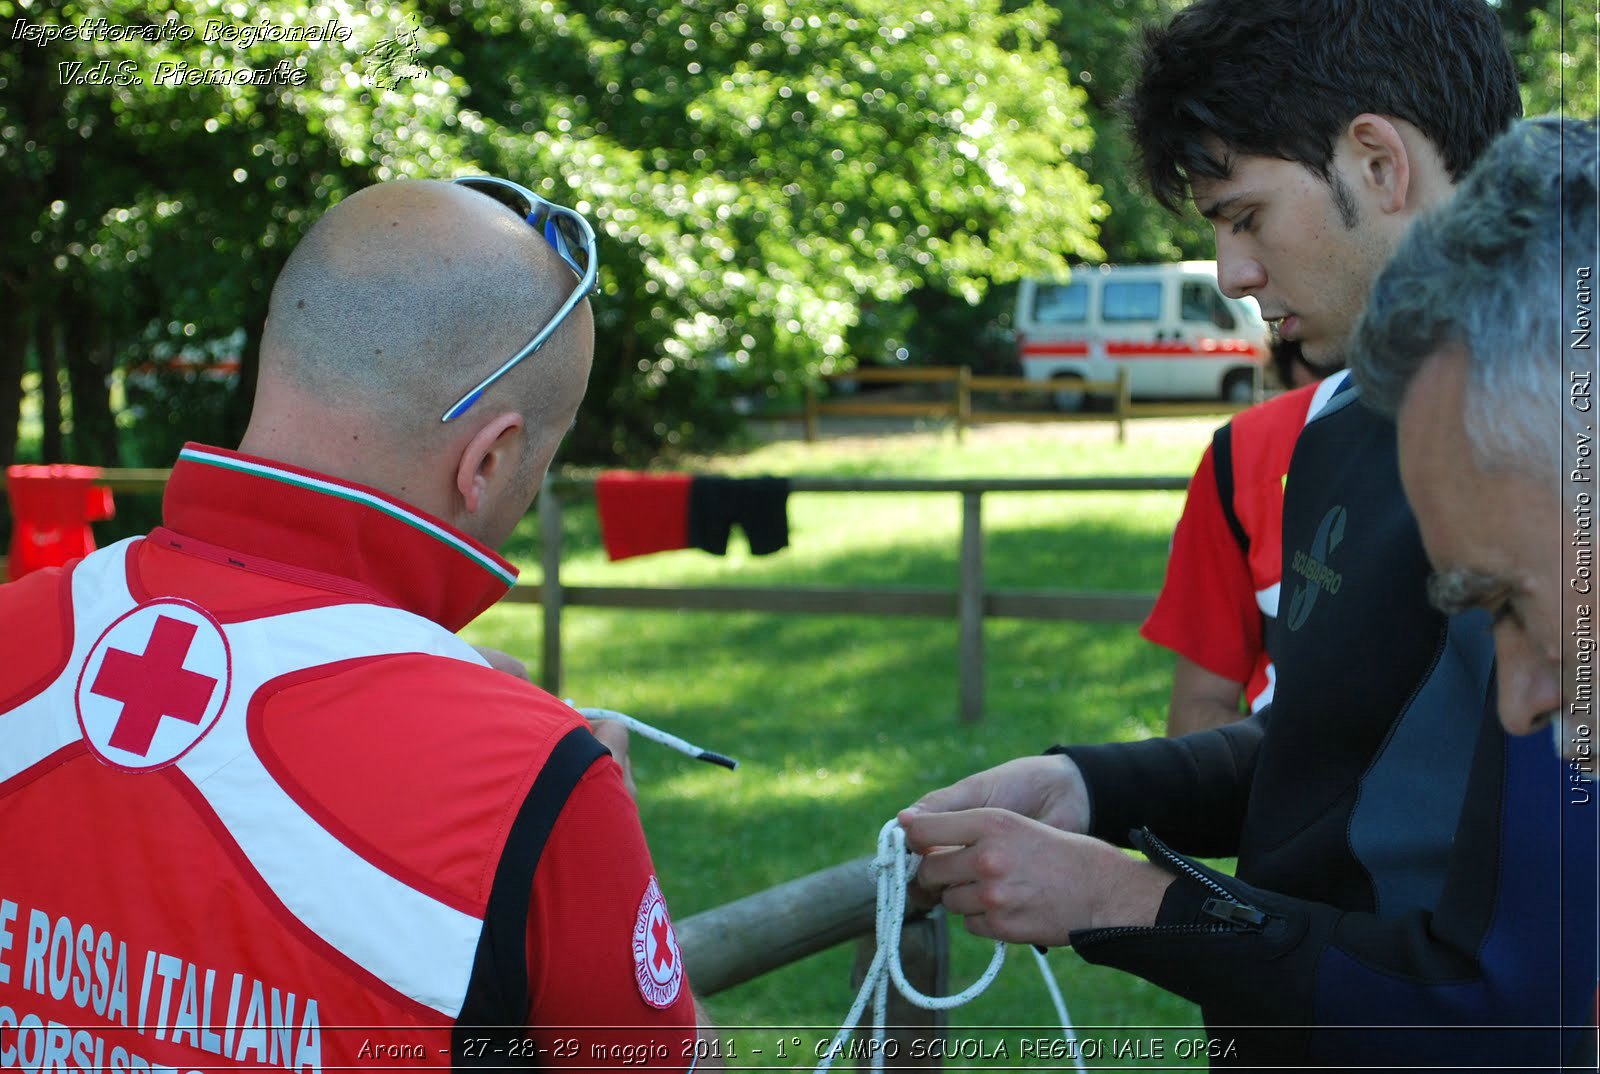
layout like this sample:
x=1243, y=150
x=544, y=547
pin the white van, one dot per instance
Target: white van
x=1170, y=326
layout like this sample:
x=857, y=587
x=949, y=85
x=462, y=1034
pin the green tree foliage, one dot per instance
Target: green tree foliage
x=757, y=173
x=152, y=202
x=1559, y=60
x=760, y=172
x=779, y=190
x=1098, y=45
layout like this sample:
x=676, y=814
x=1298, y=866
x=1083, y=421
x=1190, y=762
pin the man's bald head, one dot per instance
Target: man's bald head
x=405, y=294
x=394, y=304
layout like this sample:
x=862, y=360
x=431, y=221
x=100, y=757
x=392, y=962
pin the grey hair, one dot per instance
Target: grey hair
x=1498, y=270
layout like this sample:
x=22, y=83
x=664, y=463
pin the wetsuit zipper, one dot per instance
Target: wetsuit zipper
x=1231, y=914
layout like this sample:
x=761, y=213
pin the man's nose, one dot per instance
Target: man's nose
x=1238, y=274
x=1530, y=686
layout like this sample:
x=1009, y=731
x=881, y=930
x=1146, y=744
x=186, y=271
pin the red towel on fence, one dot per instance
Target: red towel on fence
x=51, y=508
x=642, y=513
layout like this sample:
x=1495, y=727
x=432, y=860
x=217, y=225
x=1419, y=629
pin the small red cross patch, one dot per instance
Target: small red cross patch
x=657, y=961
x=153, y=684
x=661, y=939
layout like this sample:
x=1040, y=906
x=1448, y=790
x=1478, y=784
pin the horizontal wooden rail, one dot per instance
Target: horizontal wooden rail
x=857, y=600
x=958, y=407
x=133, y=480
x=1023, y=384
x=870, y=375
x=125, y=479
x=732, y=944
x=569, y=481
x=888, y=408
x=969, y=602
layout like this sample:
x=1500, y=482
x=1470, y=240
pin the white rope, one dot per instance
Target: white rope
x=891, y=867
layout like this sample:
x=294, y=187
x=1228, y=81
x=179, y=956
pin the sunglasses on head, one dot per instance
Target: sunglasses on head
x=571, y=237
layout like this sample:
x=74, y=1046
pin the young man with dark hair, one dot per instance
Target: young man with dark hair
x=1381, y=905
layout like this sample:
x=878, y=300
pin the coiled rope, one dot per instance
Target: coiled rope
x=892, y=866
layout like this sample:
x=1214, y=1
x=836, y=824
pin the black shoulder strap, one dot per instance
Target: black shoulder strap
x=1222, y=464
x=496, y=1004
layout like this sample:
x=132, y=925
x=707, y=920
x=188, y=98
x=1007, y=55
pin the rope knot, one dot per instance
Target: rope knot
x=891, y=868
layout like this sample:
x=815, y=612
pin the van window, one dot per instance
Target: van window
x=1202, y=304
x=1131, y=301
x=1061, y=303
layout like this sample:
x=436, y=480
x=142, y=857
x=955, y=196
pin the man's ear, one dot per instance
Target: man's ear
x=1382, y=161
x=489, y=460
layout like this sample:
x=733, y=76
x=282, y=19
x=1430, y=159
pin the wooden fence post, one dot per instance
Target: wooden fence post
x=550, y=588
x=969, y=607
x=925, y=956
x=811, y=413
x=963, y=401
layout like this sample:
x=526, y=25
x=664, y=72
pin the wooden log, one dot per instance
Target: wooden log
x=748, y=937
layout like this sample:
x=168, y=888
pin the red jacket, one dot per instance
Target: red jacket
x=1222, y=577
x=258, y=799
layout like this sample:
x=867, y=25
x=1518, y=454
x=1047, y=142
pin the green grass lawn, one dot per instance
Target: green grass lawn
x=840, y=721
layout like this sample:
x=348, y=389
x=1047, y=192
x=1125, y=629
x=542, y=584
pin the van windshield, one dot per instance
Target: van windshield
x=1203, y=304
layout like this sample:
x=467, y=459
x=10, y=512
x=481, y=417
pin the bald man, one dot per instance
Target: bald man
x=253, y=789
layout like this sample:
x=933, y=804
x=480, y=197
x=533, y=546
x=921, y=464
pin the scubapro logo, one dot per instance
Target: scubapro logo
x=1313, y=568
x=657, y=962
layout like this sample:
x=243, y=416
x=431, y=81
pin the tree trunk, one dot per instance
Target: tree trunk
x=13, y=360
x=47, y=344
x=88, y=363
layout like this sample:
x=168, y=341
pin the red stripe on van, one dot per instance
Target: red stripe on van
x=1176, y=348
x=1206, y=348
x=1044, y=350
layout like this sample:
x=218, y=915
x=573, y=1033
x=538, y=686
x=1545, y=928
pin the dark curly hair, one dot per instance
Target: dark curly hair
x=1282, y=78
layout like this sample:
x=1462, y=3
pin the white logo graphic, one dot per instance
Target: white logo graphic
x=657, y=962
x=153, y=685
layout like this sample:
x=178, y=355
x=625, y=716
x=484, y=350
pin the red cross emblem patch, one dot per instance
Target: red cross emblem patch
x=657, y=961
x=153, y=685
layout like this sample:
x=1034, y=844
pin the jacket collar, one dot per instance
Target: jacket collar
x=292, y=522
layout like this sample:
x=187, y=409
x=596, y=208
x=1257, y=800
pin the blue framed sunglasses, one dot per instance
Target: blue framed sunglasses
x=571, y=236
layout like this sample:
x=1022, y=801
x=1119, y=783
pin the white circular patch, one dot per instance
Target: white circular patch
x=657, y=961
x=153, y=685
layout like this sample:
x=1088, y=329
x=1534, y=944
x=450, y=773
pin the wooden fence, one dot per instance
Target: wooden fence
x=969, y=603
x=959, y=407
